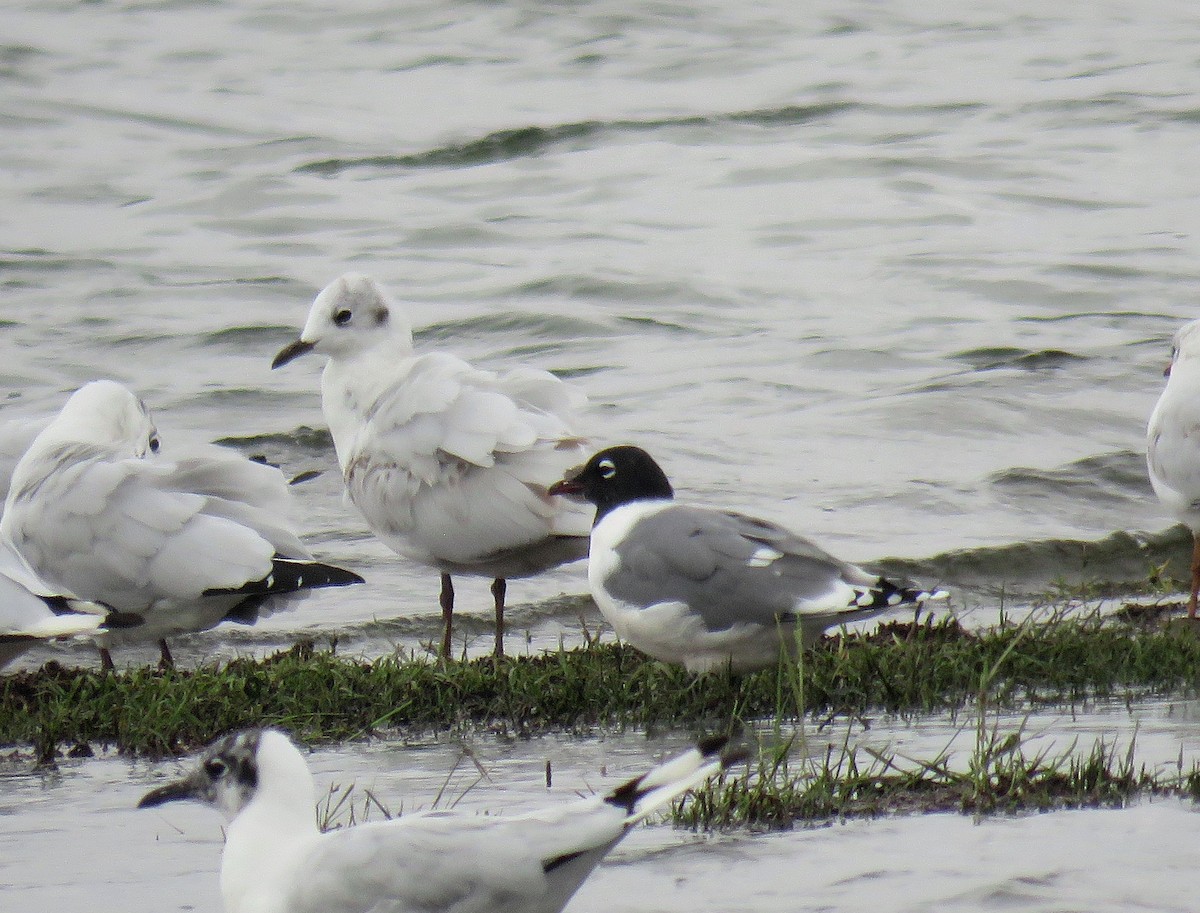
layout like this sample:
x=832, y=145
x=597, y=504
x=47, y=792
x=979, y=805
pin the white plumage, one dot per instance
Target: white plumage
x=1173, y=442
x=276, y=861
x=448, y=463
x=32, y=612
x=15, y=437
x=95, y=508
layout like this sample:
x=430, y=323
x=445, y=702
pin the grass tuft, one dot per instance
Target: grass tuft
x=319, y=696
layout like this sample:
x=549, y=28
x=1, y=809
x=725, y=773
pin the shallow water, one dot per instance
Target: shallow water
x=73, y=839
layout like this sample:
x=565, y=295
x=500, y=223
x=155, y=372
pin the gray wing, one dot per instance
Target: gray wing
x=732, y=568
x=118, y=531
x=251, y=494
x=31, y=611
x=456, y=863
x=463, y=457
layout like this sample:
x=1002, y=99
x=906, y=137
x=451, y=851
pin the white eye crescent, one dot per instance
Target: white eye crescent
x=607, y=469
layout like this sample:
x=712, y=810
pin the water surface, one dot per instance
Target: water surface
x=900, y=277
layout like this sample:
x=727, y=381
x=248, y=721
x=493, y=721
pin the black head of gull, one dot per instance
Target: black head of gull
x=616, y=476
x=710, y=588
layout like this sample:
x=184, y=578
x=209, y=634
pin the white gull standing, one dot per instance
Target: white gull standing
x=706, y=588
x=183, y=542
x=1173, y=443
x=276, y=860
x=448, y=463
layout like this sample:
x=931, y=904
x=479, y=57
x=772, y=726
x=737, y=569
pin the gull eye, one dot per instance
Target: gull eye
x=607, y=469
x=214, y=767
x=342, y=317
x=153, y=443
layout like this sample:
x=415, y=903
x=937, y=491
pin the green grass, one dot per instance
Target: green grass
x=1001, y=776
x=903, y=669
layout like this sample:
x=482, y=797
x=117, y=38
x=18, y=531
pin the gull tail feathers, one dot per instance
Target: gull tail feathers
x=886, y=594
x=655, y=788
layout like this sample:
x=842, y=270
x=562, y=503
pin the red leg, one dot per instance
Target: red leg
x=1195, y=576
x=446, y=600
x=499, y=587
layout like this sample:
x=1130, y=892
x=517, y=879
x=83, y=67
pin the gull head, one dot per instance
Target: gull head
x=352, y=315
x=1185, y=345
x=239, y=768
x=616, y=476
x=105, y=413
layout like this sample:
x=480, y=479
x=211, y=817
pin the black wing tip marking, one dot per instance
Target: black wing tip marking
x=288, y=576
x=559, y=861
x=114, y=620
x=888, y=595
x=627, y=795
x=59, y=605
x=65, y=605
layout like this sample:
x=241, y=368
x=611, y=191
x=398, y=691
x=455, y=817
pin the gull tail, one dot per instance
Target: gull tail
x=641, y=796
x=591, y=836
x=885, y=595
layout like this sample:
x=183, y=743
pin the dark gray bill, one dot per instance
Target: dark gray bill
x=291, y=351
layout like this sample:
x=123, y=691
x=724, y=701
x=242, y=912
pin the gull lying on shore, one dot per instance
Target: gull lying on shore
x=1173, y=443
x=186, y=542
x=448, y=463
x=276, y=861
x=709, y=588
x=32, y=612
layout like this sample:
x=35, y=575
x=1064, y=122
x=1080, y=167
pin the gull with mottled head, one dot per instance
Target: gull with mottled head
x=277, y=861
x=449, y=464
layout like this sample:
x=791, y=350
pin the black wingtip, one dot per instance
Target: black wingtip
x=115, y=619
x=626, y=795
x=288, y=576
x=887, y=594
x=712, y=744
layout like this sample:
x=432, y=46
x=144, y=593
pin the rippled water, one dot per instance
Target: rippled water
x=900, y=280
x=898, y=276
x=59, y=847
